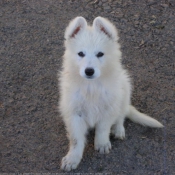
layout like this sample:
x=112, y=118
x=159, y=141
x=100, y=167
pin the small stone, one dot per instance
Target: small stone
x=164, y=5
x=152, y=22
x=11, y=100
x=100, y=3
x=145, y=26
x=119, y=13
x=106, y=7
x=105, y=4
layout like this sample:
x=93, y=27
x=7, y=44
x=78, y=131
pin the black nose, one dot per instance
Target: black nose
x=89, y=71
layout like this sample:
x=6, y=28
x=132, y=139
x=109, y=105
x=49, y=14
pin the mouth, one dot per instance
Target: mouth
x=89, y=77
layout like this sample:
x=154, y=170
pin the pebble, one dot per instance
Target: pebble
x=105, y=4
x=100, y=3
x=145, y=26
x=107, y=7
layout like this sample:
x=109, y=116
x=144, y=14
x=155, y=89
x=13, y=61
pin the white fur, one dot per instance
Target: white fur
x=103, y=101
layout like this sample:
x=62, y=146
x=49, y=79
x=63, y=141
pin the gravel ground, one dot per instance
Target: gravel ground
x=32, y=135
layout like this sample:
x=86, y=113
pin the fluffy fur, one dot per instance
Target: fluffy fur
x=95, y=89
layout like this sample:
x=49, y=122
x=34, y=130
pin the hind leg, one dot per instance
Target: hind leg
x=118, y=129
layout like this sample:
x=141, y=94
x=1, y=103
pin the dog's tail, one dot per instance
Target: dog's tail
x=142, y=119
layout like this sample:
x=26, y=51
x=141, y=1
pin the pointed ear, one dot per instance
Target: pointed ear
x=106, y=27
x=75, y=27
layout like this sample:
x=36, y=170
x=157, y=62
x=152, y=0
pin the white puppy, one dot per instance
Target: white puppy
x=95, y=89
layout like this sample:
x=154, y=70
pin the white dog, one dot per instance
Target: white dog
x=95, y=89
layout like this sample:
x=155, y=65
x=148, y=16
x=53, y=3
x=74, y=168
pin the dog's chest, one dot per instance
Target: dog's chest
x=93, y=102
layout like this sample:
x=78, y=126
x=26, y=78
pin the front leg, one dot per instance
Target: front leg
x=76, y=128
x=102, y=142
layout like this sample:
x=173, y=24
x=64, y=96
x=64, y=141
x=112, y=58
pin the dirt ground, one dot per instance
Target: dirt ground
x=32, y=134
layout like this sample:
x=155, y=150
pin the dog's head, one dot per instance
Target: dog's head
x=92, y=48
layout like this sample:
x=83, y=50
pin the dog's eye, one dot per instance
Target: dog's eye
x=99, y=54
x=81, y=54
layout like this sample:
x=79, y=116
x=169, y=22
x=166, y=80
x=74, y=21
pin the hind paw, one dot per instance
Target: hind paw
x=119, y=132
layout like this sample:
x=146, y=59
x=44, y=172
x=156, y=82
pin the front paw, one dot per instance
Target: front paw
x=70, y=162
x=103, y=148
